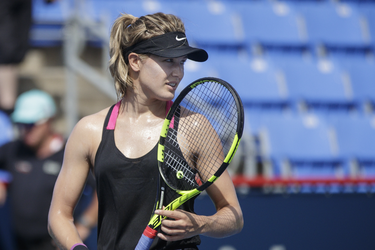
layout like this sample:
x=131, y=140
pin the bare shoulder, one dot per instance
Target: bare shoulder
x=194, y=120
x=87, y=132
x=91, y=124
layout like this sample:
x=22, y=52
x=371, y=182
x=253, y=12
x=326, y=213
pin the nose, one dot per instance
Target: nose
x=178, y=70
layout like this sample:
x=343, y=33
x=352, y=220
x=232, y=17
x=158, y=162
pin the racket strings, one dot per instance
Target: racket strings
x=217, y=104
x=207, y=107
x=176, y=162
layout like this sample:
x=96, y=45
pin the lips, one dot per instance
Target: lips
x=172, y=84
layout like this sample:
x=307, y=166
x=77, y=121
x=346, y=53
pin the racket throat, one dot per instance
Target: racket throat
x=185, y=196
x=162, y=192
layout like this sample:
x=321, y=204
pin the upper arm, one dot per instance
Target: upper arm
x=75, y=168
x=205, y=150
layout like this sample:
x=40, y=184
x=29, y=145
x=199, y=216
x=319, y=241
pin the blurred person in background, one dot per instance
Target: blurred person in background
x=34, y=162
x=15, y=23
x=6, y=135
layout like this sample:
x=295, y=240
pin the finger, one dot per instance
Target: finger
x=180, y=224
x=175, y=224
x=169, y=237
x=169, y=214
x=169, y=223
x=162, y=236
x=172, y=231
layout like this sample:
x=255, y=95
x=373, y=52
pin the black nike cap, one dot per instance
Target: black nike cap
x=170, y=45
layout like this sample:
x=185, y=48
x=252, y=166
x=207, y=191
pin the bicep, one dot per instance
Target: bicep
x=73, y=174
x=207, y=147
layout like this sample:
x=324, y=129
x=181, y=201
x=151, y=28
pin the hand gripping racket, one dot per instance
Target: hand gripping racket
x=199, y=138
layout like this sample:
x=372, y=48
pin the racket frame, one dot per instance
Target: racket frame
x=156, y=220
x=186, y=195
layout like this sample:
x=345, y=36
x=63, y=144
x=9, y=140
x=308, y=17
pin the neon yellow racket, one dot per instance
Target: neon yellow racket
x=198, y=140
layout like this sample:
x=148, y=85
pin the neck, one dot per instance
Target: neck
x=134, y=107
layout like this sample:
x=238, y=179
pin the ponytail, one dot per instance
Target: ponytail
x=117, y=66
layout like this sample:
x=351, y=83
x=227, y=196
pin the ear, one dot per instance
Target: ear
x=134, y=62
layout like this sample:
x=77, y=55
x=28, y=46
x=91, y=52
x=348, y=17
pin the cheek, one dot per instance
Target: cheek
x=153, y=72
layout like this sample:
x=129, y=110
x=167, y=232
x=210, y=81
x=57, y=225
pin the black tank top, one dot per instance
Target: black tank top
x=126, y=193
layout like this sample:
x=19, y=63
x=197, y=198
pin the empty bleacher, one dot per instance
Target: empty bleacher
x=305, y=70
x=289, y=60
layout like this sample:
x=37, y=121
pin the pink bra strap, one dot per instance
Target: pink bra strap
x=168, y=107
x=112, y=119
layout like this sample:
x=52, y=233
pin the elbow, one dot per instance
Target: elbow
x=49, y=228
x=239, y=222
x=49, y=224
x=240, y=225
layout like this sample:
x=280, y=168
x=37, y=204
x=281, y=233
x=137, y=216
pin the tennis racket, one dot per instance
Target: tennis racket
x=199, y=138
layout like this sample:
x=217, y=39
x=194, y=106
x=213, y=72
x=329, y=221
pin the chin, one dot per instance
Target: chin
x=168, y=97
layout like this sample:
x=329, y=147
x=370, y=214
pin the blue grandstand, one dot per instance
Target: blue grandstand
x=284, y=57
x=305, y=71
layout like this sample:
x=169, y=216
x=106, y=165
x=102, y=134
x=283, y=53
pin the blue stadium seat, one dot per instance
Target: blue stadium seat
x=48, y=22
x=209, y=23
x=6, y=129
x=113, y=8
x=271, y=24
x=299, y=147
x=362, y=78
x=336, y=26
x=318, y=85
x=367, y=9
x=6, y=135
x=355, y=136
x=371, y=23
x=206, y=23
x=256, y=81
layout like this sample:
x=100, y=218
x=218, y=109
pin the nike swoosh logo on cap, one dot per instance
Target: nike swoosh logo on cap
x=180, y=39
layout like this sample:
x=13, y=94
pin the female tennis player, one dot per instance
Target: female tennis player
x=119, y=144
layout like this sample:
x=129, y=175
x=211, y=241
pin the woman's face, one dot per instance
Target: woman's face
x=159, y=77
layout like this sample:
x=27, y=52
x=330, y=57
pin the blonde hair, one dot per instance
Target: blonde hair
x=128, y=30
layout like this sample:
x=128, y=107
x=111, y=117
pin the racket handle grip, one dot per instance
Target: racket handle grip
x=146, y=239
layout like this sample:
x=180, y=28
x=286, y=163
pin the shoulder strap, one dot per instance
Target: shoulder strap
x=167, y=108
x=112, y=119
x=114, y=113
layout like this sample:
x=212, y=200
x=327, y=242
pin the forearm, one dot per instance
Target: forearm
x=88, y=219
x=63, y=231
x=226, y=222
